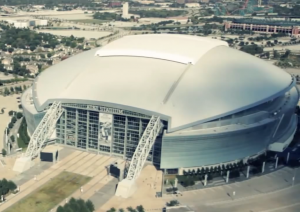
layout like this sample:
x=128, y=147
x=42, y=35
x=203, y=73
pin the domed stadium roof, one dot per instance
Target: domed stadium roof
x=186, y=79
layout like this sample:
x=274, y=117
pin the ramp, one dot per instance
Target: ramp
x=38, y=139
x=128, y=186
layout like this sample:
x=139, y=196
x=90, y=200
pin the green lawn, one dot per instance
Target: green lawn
x=90, y=21
x=50, y=194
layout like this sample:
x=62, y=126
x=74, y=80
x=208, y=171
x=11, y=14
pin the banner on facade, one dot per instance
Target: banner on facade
x=105, y=128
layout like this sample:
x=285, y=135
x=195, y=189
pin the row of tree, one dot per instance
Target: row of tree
x=47, y=2
x=76, y=205
x=157, y=13
x=15, y=117
x=7, y=186
x=139, y=208
x=211, y=169
x=13, y=90
x=24, y=138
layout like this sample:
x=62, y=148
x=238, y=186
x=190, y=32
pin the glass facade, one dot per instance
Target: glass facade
x=93, y=129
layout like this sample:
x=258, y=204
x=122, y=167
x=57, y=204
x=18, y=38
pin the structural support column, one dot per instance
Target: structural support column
x=227, y=177
x=248, y=170
x=176, y=183
x=76, y=127
x=205, y=180
x=65, y=140
x=125, y=138
x=263, y=167
x=287, y=158
x=87, y=130
x=276, y=164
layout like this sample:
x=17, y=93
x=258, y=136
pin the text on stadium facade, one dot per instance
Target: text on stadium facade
x=106, y=109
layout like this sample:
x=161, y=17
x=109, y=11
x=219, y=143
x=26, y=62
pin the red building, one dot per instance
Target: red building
x=115, y=4
x=264, y=27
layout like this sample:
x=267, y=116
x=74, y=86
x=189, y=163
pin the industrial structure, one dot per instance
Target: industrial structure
x=176, y=101
x=264, y=26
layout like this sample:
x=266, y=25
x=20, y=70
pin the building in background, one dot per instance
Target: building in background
x=28, y=23
x=125, y=10
x=264, y=26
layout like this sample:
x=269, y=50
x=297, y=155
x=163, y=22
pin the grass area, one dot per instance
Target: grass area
x=51, y=193
x=23, y=139
x=90, y=21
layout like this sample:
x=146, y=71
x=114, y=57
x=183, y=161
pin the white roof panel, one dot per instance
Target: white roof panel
x=176, y=48
x=221, y=80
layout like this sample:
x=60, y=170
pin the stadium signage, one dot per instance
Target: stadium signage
x=105, y=109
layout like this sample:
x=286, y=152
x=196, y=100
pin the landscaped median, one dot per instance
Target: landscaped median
x=50, y=194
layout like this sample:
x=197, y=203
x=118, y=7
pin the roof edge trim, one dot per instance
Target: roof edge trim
x=146, y=53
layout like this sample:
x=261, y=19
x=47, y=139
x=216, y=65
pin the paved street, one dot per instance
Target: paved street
x=272, y=192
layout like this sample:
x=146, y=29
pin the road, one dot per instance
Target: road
x=268, y=193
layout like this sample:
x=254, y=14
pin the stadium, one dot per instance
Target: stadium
x=214, y=104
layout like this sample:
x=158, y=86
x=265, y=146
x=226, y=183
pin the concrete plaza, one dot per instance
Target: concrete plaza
x=76, y=161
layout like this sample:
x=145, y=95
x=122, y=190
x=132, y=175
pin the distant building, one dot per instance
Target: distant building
x=180, y=1
x=21, y=24
x=262, y=26
x=192, y=5
x=125, y=10
x=115, y=4
x=33, y=69
x=37, y=22
x=7, y=61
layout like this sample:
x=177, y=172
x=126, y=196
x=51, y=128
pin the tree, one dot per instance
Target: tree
x=10, y=113
x=276, y=54
x=173, y=203
x=20, y=106
x=10, y=50
x=14, y=119
x=10, y=125
x=90, y=205
x=12, y=138
x=4, y=152
x=24, y=87
x=42, y=56
x=73, y=45
x=12, y=89
x=140, y=208
x=60, y=209
x=112, y=210
x=6, y=91
x=11, y=185
x=130, y=209
x=19, y=115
